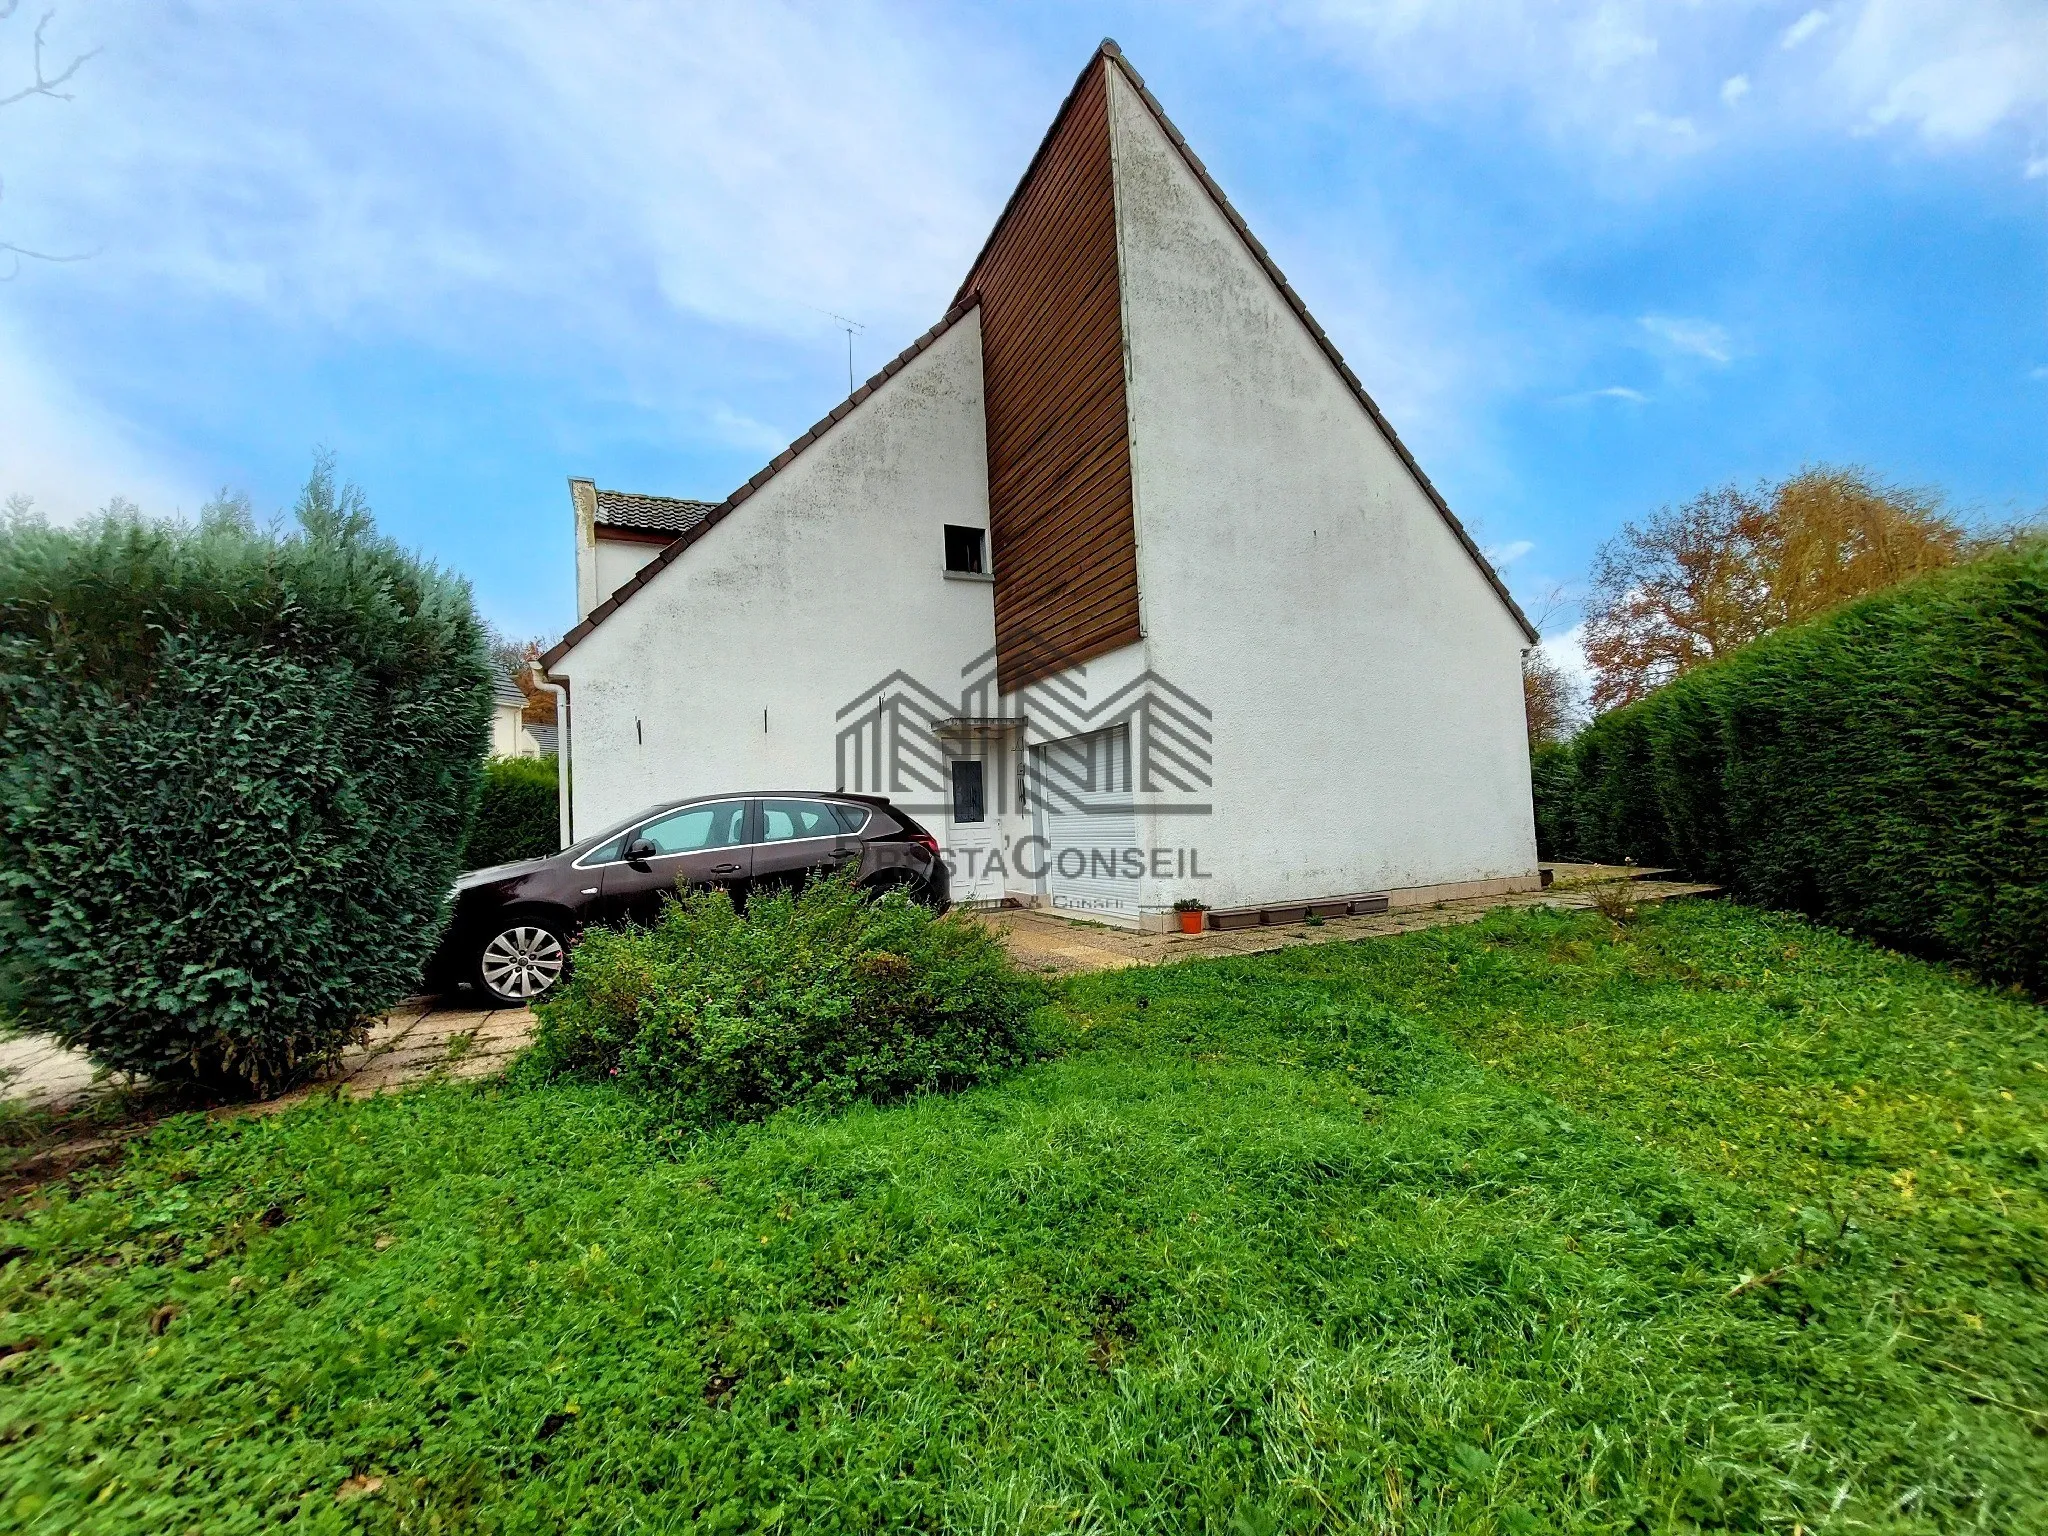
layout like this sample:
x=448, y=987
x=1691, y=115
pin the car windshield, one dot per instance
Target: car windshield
x=616, y=829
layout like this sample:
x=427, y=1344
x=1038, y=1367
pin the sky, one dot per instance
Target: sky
x=1590, y=256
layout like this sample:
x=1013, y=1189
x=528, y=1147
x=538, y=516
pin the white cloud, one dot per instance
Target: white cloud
x=1501, y=556
x=1802, y=29
x=388, y=161
x=1606, y=77
x=1619, y=392
x=70, y=455
x=1955, y=70
x=1692, y=338
x=739, y=431
x=1567, y=652
x=2036, y=168
x=1678, y=132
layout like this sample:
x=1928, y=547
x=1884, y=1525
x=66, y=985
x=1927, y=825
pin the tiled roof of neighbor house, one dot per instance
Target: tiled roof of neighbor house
x=505, y=691
x=651, y=514
x=776, y=465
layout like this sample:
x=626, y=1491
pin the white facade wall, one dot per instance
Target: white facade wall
x=508, y=734
x=1365, y=677
x=808, y=593
x=616, y=562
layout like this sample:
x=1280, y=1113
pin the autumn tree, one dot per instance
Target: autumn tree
x=1549, y=700
x=1691, y=583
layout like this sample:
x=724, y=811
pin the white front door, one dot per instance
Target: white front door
x=1081, y=788
x=971, y=840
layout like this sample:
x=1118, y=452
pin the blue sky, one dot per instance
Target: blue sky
x=1590, y=255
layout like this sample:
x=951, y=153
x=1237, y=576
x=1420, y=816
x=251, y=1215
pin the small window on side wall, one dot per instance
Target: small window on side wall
x=967, y=550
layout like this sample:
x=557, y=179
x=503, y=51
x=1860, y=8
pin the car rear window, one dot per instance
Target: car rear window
x=785, y=820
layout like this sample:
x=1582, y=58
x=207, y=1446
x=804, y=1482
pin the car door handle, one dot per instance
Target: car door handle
x=725, y=869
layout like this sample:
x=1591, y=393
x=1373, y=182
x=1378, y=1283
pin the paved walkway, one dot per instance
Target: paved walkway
x=416, y=1041
x=1048, y=942
x=430, y=1037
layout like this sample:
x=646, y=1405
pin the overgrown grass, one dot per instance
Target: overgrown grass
x=1707, y=1221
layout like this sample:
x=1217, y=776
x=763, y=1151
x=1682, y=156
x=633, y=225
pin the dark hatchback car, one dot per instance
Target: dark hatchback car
x=514, y=925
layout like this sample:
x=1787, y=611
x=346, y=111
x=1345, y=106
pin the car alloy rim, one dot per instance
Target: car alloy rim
x=523, y=962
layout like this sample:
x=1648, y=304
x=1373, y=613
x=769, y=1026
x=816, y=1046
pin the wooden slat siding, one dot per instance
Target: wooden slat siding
x=1059, y=451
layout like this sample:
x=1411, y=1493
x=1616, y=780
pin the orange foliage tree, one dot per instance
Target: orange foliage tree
x=1691, y=583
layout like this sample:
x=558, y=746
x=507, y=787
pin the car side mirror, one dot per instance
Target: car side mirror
x=641, y=849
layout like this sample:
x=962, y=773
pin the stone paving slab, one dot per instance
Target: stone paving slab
x=1050, y=942
x=426, y=1038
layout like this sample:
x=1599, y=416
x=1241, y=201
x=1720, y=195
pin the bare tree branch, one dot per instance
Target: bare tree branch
x=46, y=85
x=15, y=253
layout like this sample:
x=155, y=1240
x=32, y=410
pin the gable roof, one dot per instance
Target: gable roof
x=1114, y=54
x=1108, y=50
x=650, y=514
x=717, y=514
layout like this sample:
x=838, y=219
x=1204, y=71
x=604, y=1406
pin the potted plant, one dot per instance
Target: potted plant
x=1190, y=911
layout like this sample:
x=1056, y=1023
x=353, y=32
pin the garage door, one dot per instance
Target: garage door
x=1083, y=797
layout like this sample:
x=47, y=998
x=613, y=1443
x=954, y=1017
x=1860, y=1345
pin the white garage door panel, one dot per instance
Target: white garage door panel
x=1084, y=798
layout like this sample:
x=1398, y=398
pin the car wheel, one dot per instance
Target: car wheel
x=521, y=962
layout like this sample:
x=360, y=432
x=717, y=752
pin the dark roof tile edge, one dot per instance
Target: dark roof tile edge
x=671, y=552
x=1294, y=300
x=1106, y=50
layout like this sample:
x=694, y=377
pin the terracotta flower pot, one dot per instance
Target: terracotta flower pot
x=1191, y=922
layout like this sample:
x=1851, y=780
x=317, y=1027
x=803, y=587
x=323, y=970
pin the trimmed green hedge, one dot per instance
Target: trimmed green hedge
x=519, y=816
x=1884, y=768
x=236, y=768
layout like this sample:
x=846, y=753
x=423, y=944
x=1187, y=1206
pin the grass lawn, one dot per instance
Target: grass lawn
x=1714, y=1222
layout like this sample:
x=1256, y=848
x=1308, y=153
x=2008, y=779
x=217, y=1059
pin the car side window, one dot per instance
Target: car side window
x=608, y=854
x=720, y=825
x=851, y=817
x=785, y=820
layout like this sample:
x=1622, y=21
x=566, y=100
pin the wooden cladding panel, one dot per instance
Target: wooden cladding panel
x=1059, y=452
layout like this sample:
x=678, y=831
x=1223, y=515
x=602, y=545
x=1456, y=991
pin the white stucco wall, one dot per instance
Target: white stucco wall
x=507, y=733
x=807, y=594
x=618, y=561
x=1364, y=676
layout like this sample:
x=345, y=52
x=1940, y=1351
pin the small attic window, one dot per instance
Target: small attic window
x=967, y=550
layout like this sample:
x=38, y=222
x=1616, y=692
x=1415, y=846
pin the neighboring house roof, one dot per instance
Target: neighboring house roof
x=650, y=514
x=505, y=691
x=776, y=465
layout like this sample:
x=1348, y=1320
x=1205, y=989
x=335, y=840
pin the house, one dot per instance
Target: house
x=1116, y=577
x=508, y=704
x=617, y=533
x=522, y=714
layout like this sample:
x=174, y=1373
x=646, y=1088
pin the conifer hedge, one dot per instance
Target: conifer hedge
x=1884, y=768
x=519, y=816
x=236, y=769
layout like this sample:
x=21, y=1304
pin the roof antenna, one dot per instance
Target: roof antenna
x=849, y=326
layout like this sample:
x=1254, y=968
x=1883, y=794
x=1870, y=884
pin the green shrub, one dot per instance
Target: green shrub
x=236, y=767
x=1884, y=768
x=519, y=816
x=817, y=998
